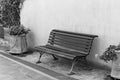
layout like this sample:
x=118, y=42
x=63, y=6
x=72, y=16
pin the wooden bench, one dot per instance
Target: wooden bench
x=67, y=44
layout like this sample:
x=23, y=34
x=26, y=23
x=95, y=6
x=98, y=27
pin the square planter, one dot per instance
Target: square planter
x=19, y=46
x=115, y=71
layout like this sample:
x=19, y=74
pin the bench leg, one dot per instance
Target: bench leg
x=75, y=60
x=55, y=58
x=41, y=53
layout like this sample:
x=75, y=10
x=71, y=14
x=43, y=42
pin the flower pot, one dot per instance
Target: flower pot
x=115, y=71
x=20, y=45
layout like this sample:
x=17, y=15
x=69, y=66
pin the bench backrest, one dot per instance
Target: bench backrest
x=71, y=41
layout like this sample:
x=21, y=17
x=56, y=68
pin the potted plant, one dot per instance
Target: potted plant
x=20, y=42
x=112, y=54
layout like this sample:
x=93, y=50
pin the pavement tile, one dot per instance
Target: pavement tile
x=44, y=73
x=12, y=71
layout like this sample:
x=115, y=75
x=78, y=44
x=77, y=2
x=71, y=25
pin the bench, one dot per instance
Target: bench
x=66, y=44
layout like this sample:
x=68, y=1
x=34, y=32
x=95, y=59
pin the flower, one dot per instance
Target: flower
x=18, y=30
x=111, y=53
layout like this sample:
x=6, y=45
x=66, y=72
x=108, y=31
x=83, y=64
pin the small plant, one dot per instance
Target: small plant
x=110, y=53
x=18, y=30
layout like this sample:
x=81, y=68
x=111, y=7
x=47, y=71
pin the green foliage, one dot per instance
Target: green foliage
x=110, y=53
x=10, y=13
x=18, y=30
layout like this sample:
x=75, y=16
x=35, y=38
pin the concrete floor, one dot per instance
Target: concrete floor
x=63, y=66
x=10, y=70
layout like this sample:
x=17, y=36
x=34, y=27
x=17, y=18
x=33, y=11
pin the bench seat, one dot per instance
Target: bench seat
x=60, y=51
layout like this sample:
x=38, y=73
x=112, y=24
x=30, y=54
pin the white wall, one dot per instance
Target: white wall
x=100, y=17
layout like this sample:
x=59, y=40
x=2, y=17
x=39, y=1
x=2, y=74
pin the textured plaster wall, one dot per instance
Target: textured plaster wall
x=100, y=17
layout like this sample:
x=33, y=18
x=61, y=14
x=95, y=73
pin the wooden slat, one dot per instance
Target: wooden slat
x=69, y=37
x=83, y=34
x=72, y=46
x=79, y=36
x=70, y=43
x=64, y=53
x=73, y=40
x=65, y=50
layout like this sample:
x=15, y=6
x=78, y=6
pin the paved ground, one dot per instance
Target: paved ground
x=63, y=66
x=10, y=70
x=42, y=73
